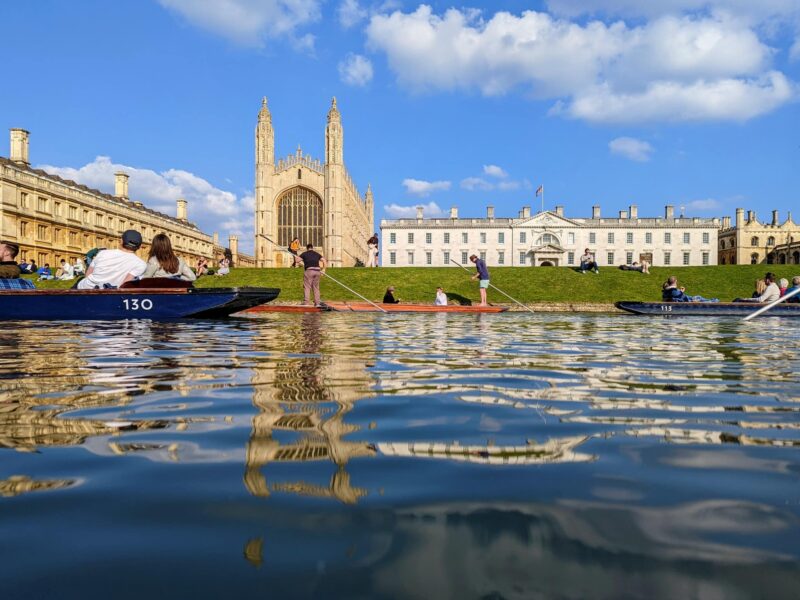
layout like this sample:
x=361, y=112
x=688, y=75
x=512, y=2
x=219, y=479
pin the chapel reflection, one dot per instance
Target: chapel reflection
x=302, y=401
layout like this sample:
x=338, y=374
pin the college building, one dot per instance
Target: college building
x=751, y=242
x=315, y=201
x=52, y=218
x=549, y=238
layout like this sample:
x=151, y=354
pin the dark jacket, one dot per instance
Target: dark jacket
x=673, y=294
x=9, y=270
x=388, y=298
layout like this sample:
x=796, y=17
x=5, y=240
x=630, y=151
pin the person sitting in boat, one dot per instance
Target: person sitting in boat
x=9, y=269
x=112, y=267
x=783, y=285
x=770, y=293
x=441, y=297
x=388, y=297
x=671, y=292
x=162, y=261
x=793, y=288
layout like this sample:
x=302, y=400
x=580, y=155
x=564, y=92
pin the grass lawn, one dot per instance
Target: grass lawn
x=526, y=284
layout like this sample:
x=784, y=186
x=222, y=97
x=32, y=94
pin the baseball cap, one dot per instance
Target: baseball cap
x=132, y=239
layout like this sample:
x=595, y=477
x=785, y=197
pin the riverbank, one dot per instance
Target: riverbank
x=563, y=287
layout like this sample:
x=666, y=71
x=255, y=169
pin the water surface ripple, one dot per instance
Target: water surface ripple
x=401, y=456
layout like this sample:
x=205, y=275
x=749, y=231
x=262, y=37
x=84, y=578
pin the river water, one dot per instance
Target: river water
x=401, y=456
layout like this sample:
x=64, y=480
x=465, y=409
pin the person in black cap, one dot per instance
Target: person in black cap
x=9, y=269
x=113, y=267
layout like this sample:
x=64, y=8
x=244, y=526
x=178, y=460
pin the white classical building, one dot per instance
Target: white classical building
x=550, y=239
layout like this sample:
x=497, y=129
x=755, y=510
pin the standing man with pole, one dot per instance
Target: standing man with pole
x=314, y=269
x=482, y=276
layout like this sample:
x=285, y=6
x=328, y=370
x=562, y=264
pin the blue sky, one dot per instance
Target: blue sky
x=610, y=102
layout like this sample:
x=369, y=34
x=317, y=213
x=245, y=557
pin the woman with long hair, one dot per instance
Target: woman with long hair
x=162, y=261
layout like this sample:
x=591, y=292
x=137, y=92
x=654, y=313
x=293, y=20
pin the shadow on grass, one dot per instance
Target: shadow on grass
x=462, y=300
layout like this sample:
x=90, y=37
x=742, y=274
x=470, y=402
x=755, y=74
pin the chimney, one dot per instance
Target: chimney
x=596, y=211
x=490, y=213
x=526, y=212
x=775, y=218
x=726, y=222
x=669, y=212
x=453, y=212
x=182, y=210
x=121, y=185
x=739, y=218
x=623, y=214
x=420, y=213
x=560, y=210
x=633, y=210
x=751, y=216
x=19, y=146
x=216, y=239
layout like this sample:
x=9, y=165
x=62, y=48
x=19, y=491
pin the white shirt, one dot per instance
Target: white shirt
x=112, y=267
x=772, y=293
x=441, y=299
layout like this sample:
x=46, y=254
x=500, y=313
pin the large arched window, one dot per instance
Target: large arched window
x=754, y=241
x=547, y=238
x=796, y=257
x=722, y=244
x=300, y=215
x=770, y=241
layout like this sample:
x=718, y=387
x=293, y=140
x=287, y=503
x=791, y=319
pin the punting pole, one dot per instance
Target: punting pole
x=491, y=285
x=352, y=291
x=764, y=309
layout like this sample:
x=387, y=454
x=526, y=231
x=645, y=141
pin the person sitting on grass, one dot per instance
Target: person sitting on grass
x=441, y=297
x=112, y=267
x=588, y=262
x=770, y=293
x=642, y=268
x=388, y=297
x=224, y=267
x=162, y=261
x=65, y=272
x=45, y=273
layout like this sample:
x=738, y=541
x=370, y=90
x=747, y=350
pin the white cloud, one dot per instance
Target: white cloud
x=476, y=183
x=211, y=208
x=355, y=70
x=704, y=205
x=494, y=171
x=418, y=187
x=350, y=13
x=701, y=67
x=631, y=148
x=407, y=212
x=250, y=22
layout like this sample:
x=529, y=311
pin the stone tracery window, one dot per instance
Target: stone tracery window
x=300, y=215
x=547, y=238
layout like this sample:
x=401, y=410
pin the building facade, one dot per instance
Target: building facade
x=751, y=242
x=315, y=201
x=550, y=239
x=52, y=218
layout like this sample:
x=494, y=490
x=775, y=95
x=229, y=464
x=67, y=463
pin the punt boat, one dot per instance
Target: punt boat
x=130, y=302
x=707, y=309
x=367, y=307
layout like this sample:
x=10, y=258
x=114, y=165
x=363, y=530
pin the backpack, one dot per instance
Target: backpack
x=91, y=254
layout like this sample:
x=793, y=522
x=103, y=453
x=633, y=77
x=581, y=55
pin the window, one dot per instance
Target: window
x=299, y=173
x=483, y=237
x=57, y=209
x=523, y=238
x=86, y=217
x=571, y=238
x=447, y=238
x=42, y=204
x=410, y=238
x=521, y=258
x=648, y=238
x=57, y=233
x=667, y=258
x=41, y=232
x=464, y=258
x=754, y=242
x=23, y=200
x=23, y=229
x=464, y=237
x=483, y=255
x=392, y=258
x=592, y=238
x=428, y=237
x=629, y=237
x=610, y=258
x=570, y=258
x=706, y=237
x=628, y=258
x=667, y=237
x=411, y=258
x=501, y=258
x=685, y=259
x=392, y=238
x=687, y=237
x=705, y=258
x=770, y=241
x=98, y=219
x=73, y=212
x=548, y=238
x=501, y=237
x=73, y=238
x=446, y=257
x=428, y=258
x=722, y=244
x=610, y=237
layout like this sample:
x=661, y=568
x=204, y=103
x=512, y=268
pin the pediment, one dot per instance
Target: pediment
x=548, y=248
x=545, y=219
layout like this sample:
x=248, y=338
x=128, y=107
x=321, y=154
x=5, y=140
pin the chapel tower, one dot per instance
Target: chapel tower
x=264, y=192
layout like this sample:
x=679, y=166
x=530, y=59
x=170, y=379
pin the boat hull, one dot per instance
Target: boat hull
x=706, y=309
x=74, y=305
x=367, y=307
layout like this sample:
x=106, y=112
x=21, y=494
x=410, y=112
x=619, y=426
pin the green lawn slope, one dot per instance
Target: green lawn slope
x=526, y=284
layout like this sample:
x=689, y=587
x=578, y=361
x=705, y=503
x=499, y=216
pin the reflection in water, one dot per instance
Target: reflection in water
x=463, y=455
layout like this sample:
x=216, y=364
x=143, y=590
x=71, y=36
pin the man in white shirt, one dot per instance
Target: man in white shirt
x=441, y=297
x=112, y=268
x=770, y=294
